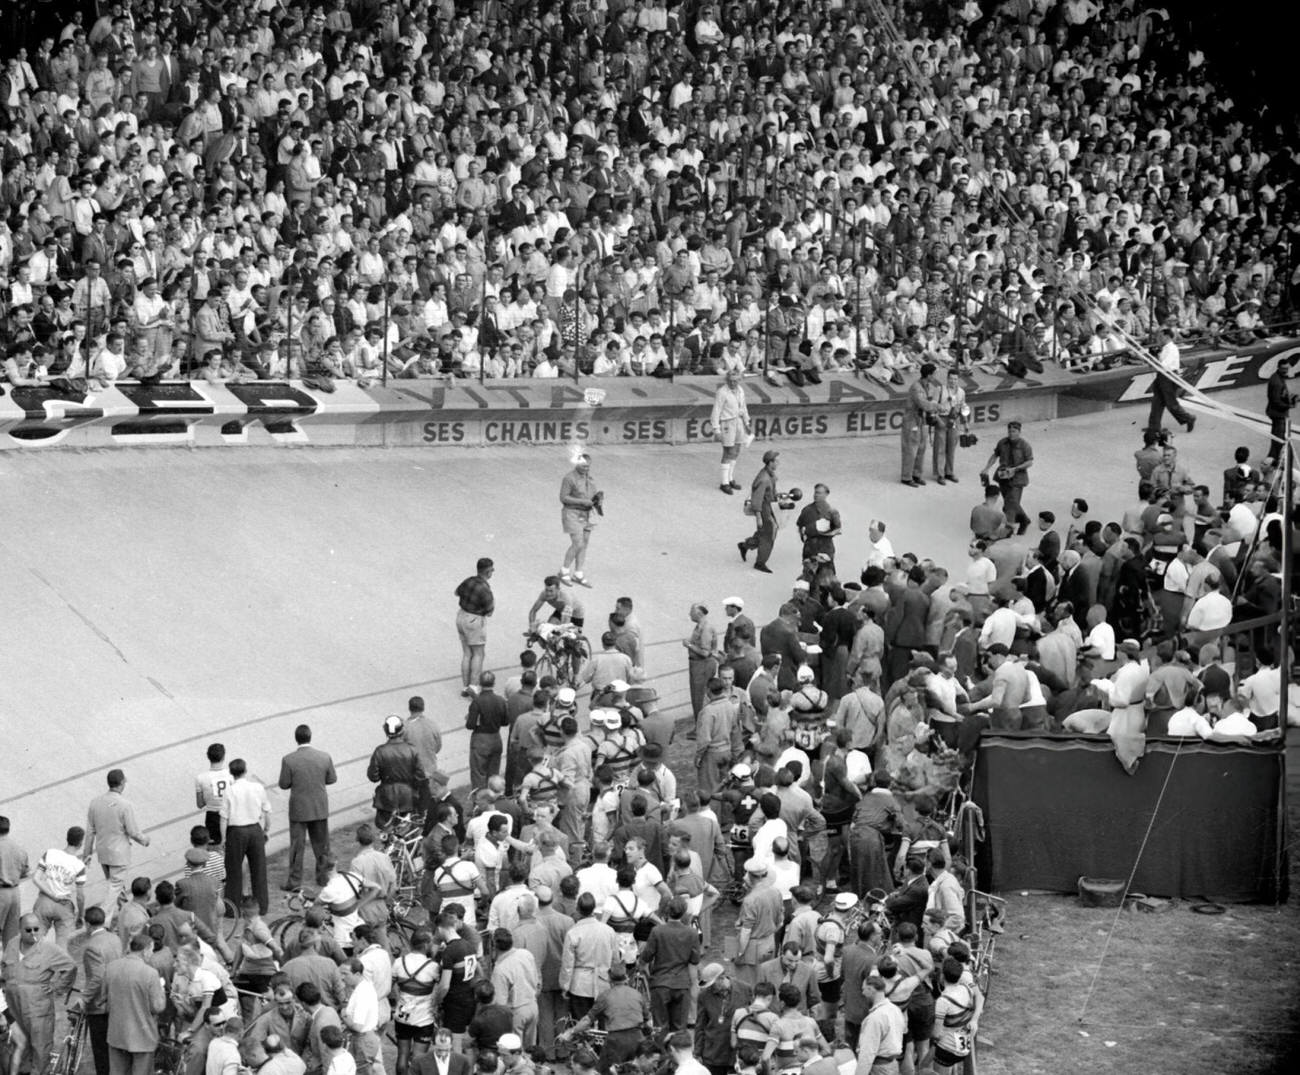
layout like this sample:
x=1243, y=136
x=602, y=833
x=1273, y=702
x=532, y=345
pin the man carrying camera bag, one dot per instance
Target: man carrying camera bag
x=919, y=415
x=762, y=506
x=1013, y=457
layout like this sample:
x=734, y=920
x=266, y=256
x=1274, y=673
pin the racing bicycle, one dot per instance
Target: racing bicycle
x=564, y=652
x=67, y=1058
x=985, y=927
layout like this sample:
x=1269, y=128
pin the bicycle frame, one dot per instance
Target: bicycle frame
x=66, y=1058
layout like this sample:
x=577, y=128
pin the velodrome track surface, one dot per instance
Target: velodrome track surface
x=158, y=600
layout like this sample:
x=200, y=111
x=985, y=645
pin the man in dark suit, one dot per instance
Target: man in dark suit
x=102, y=948
x=781, y=637
x=907, y=904
x=305, y=775
x=135, y=1000
x=441, y=1060
x=789, y=968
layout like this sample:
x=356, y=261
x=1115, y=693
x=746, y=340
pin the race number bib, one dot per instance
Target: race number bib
x=471, y=968
x=807, y=738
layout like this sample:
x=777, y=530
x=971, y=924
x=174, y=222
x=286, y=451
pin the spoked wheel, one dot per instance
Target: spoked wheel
x=230, y=920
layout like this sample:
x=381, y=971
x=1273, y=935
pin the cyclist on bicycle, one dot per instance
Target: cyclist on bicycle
x=565, y=608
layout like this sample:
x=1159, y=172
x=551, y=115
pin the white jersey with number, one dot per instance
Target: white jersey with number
x=212, y=784
x=63, y=872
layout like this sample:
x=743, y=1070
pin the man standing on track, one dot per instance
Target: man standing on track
x=486, y=717
x=247, y=814
x=762, y=500
x=14, y=867
x=111, y=829
x=579, y=497
x=403, y=785
x=919, y=412
x=1164, y=393
x=730, y=421
x=819, y=525
x=1278, y=408
x=305, y=775
x=210, y=788
x=37, y=975
x=952, y=401
x=1013, y=457
x=476, y=604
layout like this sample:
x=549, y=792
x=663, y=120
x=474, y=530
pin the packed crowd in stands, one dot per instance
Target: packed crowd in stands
x=366, y=190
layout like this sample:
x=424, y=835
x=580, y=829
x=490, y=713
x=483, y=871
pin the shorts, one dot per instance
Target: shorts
x=576, y=522
x=831, y=990
x=411, y=1032
x=947, y=1059
x=472, y=628
x=729, y=432
x=457, y=1015
x=920, y=1019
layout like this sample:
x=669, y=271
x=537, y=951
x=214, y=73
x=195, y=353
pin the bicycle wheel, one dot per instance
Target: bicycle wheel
x=230, y=920
x=984, y=968
x=283, y=928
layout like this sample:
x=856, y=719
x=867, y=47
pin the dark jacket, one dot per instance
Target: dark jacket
x=395, y=767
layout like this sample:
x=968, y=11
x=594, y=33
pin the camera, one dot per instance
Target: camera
x=968, y=440
x=598, y=503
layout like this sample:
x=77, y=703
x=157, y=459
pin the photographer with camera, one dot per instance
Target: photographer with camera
x=1013, y=457
x=579, y=497
x=762, y=504
x=951, y=412
x=919, y=415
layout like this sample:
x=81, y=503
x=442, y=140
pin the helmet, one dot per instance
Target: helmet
x=393, y=726
x=795, y=494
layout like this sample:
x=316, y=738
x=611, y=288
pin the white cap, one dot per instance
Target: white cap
x=510, y=1041
x=846, y=901
x=756, y=866
x=737, y=602
x=618, y=686
x=741, y=771
x=567, y=697
x=805, y=674
x=801, y=584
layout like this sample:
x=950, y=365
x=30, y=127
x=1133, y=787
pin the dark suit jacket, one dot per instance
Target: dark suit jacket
x=804, y=979
x=304, y=774
x=102, y=948
x=137, y=999
x=457, y=1064
x=780, y=638
x=908, y=903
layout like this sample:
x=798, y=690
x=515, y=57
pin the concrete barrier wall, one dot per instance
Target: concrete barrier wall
x=595, y=410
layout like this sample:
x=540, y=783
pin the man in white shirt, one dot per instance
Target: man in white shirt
x=361, y=1016
x=600, y=878
x=210, y=790
x=650, y=888
x=1263, y=692
x=879, y=547
x=246, y=811
x=338, y=1061
x=60, y=878
x=342, y=894
x=223, y=1052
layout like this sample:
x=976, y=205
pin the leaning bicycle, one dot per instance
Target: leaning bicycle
x=67, y=1057
x=987, y=926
